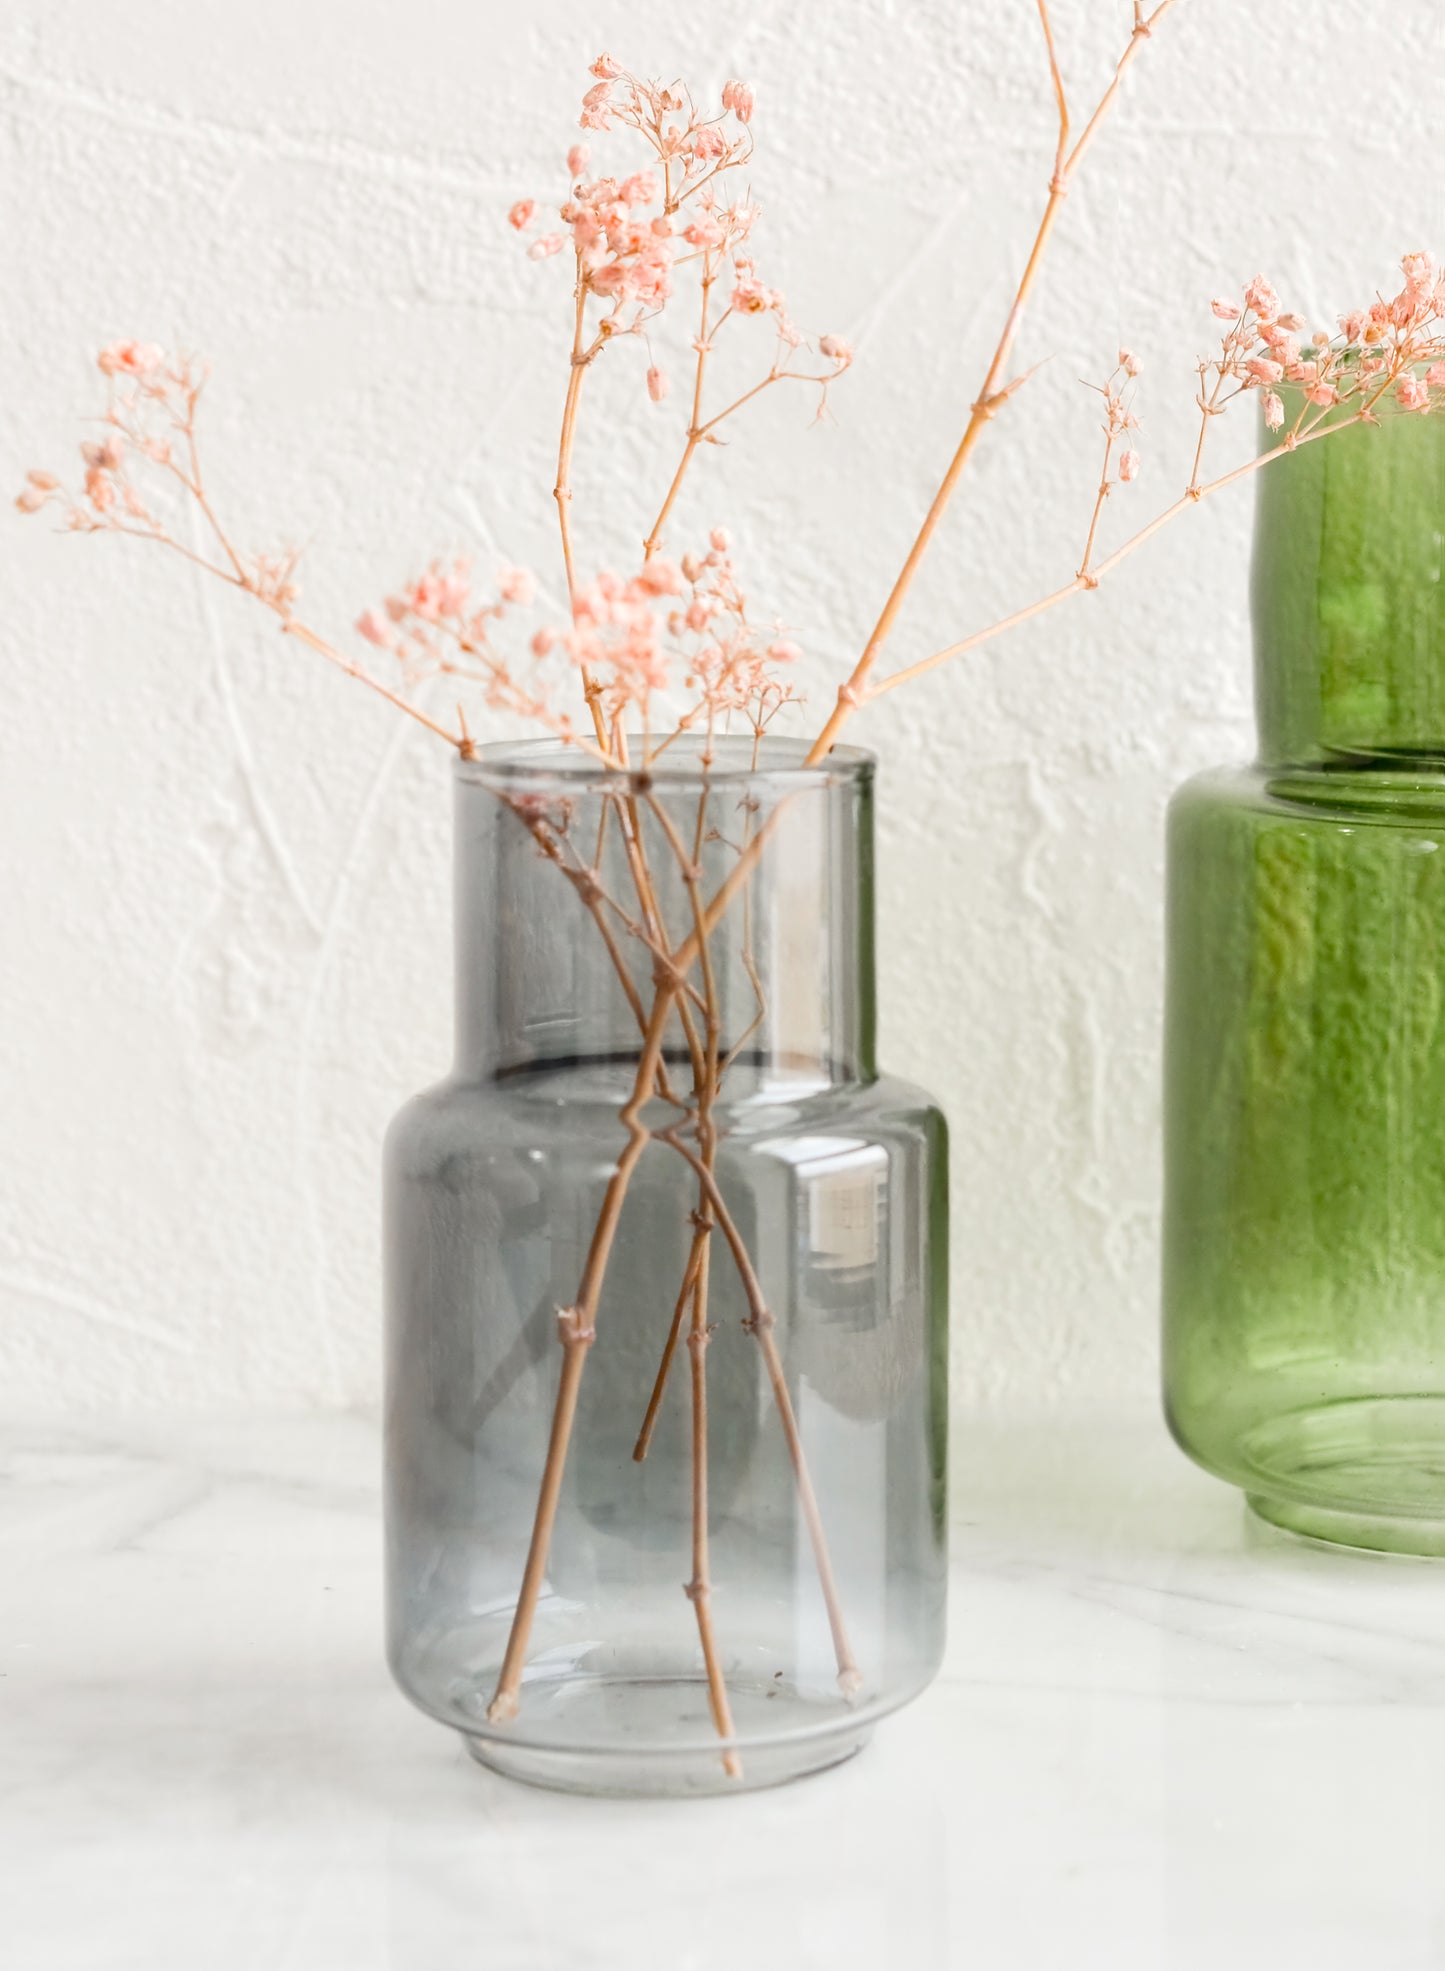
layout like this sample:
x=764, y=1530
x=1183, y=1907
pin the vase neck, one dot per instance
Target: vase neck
x=1348, y=600
x=570, y=883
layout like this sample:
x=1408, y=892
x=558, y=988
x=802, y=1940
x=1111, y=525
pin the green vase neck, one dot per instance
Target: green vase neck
x=1348, y=599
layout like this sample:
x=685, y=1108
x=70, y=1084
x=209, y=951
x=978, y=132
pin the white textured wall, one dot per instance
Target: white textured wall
x=223, y=901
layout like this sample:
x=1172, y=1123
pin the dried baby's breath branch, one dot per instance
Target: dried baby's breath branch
x=1391, y=350
x=622, y=231
x=1119, y=420
x=153, y=406
x=996, y=390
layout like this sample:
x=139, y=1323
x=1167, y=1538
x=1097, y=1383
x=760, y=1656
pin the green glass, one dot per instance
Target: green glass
x=1304, y=1223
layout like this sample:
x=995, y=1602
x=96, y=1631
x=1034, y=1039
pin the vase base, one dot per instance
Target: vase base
x=648, y=1769
x=1367, y=1472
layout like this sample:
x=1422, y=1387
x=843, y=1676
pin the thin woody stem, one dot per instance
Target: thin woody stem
x=995, y=392
x=761, y=1325
x=1103, y=494
x=562, y=490
x=197, y=488
x=694, y=433
x=685, y=1294
x=300, y=631
x=1190, y=498
x=577, y=1330
x=699, y=1588
x=760, y=1319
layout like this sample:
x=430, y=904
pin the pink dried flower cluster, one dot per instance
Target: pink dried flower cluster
x=151, y=398
x=144, y=459
x=1392, y=347
x=439, y=625
x=633, y=636
x=730, y=669
x=1119, y=415
x=631, y=232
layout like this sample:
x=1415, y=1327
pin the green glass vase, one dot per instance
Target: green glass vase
x=1304, y=1222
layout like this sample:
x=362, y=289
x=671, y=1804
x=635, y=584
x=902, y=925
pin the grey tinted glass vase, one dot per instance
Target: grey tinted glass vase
x=667, y=1350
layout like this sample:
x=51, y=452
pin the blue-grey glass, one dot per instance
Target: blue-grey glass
x=834, y=1175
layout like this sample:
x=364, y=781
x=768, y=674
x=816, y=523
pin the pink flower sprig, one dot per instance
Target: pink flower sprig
x=146, y=460
x=1120, y=421
x=731, y=671
x=1393, y=347
x=1387, y=356
x=632, y=233
x=635, y=637
x=438, y=626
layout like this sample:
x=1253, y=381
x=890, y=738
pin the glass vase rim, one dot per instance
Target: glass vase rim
x=780, y=761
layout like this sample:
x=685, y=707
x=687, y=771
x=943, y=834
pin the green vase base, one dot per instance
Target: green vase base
x=1365, y=1472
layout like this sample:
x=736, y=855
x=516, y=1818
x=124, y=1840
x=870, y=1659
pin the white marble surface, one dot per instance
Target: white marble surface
x=1162, y=1741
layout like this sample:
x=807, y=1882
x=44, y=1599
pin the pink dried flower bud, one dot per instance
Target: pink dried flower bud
x=836, y=348
x=692, y=565
x=1353, y=325
x=784, y=651
x=453, y=593
x=46, y=481
x=1434, y=376
x=739, y=98
x=516, y=585
x=1129, y=465
x=661, y=577
x=639, y=189
x=1261, y=297
x=750, y=297
x=1227, y=311
x=662, y=227
x=522, y=214
x=1261, y=370
x=1273, y=410
x=704, y=233
x=104, y=456
x=99, y=490
x=130, y=359
x=720, y=539
x=605, y=67
x=1413, y=393
x=1129, y=362
x=1419, y=272
x=374, y=628
x=658, y=384
x=31, y=499
x=1323, y=394
x=578, y=159
x=1292, y=324
x=708, y=144
x=542, y=642
x=546, y=246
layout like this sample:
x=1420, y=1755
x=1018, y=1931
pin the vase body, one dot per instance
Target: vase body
x=824, y=1438
x=1304, y=1237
